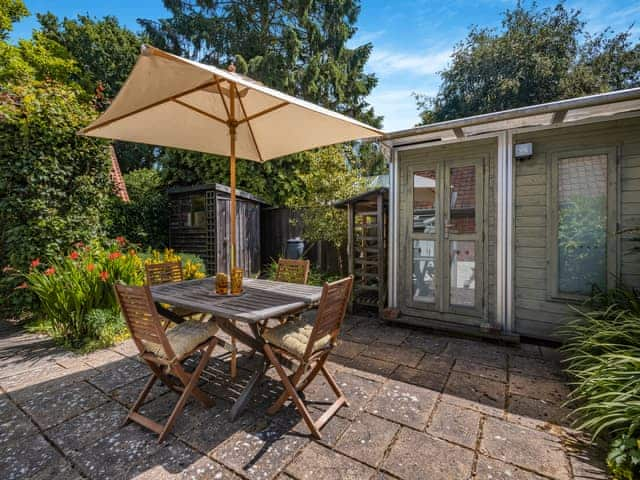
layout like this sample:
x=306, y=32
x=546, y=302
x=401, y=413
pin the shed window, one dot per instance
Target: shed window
x=581, y=224
x=197, y=215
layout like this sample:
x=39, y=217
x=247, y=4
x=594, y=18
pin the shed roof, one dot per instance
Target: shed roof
x=544, y=114
x=363, y=197
x=214, y=186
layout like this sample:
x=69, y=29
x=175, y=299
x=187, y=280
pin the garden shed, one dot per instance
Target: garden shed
x=367, y=216
x=499, y=221
x=199, y=224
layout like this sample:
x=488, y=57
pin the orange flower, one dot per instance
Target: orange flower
x=74, y=255
x=91, y=267
x=104, y=275
x=35, y=263
x=50, y=271
x=132, y=252
x=22, y=285
x=114, y=255
x=121, y=240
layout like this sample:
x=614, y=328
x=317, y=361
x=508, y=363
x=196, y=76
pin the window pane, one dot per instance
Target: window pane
x=463, y=200
x=424, y=271
x=462, y=289
x=582, y=223
x=424, y=202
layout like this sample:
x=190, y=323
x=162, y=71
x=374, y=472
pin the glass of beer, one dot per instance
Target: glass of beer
x=222, y=283
x=236, y=281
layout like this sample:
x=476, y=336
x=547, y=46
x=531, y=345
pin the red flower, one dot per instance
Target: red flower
x=114, y=255
x=104, y=276
x=121, y=240
x=50, y=271
x=91, y=267
x=35, y=263
x=74, y=255
x=22, y=285
x=78, y=244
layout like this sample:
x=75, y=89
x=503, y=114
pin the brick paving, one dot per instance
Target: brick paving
x=422, y=406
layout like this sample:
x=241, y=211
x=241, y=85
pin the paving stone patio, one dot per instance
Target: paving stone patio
x=422, y=405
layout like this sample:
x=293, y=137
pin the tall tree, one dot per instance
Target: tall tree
x=538, y=56
x=296, y=46
x=105, y=53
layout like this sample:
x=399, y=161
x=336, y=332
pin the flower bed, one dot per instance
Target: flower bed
x=75, y=296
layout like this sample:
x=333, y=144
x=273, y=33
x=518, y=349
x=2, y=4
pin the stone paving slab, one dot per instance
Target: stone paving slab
x=455, y=424
x=317, y=462
x=367, y=439
x=417, y=455
x=56, y=406
x=421, y=406
x=527, y=448
x=403, y=403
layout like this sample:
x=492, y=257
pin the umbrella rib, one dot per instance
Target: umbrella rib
x=253, y=137
x=151, y=105
x=224, y=103
x=265, y=111
x=201, y=112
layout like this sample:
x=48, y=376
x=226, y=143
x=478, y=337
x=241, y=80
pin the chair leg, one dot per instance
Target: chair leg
x=190, y=385
x=333, y=384
x=141, y=398
x=273, y=409
x=292, y=392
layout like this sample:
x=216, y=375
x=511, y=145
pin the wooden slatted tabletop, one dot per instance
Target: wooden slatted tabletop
x=262, y=299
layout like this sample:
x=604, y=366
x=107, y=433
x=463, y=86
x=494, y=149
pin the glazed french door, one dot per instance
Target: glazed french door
x=443, y=213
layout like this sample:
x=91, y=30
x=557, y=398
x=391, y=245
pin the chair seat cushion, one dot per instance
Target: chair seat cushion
x=184, y=337
x=294, y=335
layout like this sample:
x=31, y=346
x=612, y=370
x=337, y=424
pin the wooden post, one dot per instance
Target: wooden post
x=380, y=232
x=232, y=172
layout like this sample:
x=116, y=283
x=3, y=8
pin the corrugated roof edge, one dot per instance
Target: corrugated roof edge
x=521, y=112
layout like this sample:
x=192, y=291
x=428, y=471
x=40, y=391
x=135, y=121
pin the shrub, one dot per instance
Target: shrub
x=54, y=183
x=192, y=265
x=70, y=288
x=603, y=347
x=75, y=293
x=144, y=219
x=316, y=277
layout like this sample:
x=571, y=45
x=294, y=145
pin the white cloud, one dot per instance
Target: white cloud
x=386, y=62
x=397, y=106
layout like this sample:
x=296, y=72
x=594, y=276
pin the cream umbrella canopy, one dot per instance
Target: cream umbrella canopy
x=174, y=102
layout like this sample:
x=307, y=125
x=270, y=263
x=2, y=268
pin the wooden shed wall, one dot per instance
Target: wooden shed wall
x=536, y=313
x=189, y=239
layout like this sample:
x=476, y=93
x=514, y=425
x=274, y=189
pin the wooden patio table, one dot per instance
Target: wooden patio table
x=260, y=300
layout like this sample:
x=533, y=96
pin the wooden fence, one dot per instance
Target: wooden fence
x=281, y=224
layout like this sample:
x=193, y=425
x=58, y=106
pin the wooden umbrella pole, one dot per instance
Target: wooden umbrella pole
x=232, y=172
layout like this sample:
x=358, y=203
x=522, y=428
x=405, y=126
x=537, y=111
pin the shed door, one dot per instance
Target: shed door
x=444, y=234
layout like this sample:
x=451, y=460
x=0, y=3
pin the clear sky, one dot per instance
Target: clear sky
x=412, y=38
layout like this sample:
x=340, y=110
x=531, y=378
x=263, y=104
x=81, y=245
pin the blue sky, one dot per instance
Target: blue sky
x=412, y=38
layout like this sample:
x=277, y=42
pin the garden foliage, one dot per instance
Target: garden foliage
x=145, y=218
x=54, y=182
x=603, y=348
x=75, y=292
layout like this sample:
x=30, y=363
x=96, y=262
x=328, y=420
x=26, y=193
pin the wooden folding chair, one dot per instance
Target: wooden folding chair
x=165, y=352
x=308, y=341
x=167, y=272
x=293, y=271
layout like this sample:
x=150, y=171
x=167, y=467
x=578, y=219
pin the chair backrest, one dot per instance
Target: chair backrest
x=142, y=318
x=331, y=311
x=158, y=273
x=293, y=271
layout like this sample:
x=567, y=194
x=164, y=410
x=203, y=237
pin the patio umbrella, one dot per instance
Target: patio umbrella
x=174, y=102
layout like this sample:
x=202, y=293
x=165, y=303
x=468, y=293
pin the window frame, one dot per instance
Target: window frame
x=611, y=152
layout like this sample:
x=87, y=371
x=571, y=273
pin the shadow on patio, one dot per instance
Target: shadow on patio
x=422, y=405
